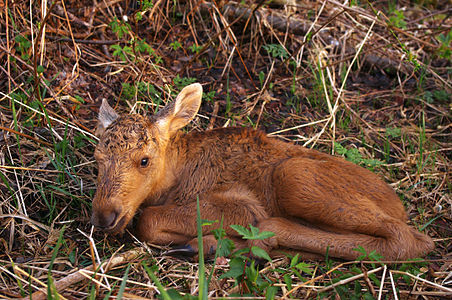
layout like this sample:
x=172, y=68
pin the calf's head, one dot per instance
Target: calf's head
x=132, y=157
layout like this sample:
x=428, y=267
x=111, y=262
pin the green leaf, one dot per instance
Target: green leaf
x=339, y=149
x=52, y=293
x=288, y=281
x=441, y=95
x=195, y=49
x=357, y=289
x=375, y=256
x=40, y=69
x=128, y=90
x=236, y=268
x=394, y=132
x=254, y=231
x=276, y=50
x=142, y=47
x=304, y=267
x=241, y=252
x=203, y=287
x=251, y=272
x=128, y=50
x=375, y=279
x=175, y=45
x=118, y=50
x=205, y=222
x=259, y=252
x=107, y=295
x=353, y=155
x=361, y=250
x=294, y=260
x=219, y=233
x=138, y=16
x=368, y=296
x=154, y=278
x=372, y=162
x=175, y=295
x=270, y=292
x=56, y=249
x=252, y=234
x=261, y=78
x=145, y=4
x=241, y=230
x=225, y=247
x=264, y=235
x=122, y=287
x=72, y=257
x=158, y=59
x=180, y=83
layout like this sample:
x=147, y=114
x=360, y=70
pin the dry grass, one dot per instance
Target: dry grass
x=375, y=79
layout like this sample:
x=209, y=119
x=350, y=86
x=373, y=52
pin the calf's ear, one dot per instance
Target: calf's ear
x=107, y=115
x=181, y=111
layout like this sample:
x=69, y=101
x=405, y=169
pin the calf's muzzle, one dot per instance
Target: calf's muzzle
x=105, y=219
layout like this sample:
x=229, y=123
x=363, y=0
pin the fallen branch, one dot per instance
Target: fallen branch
x=344, y=281
x=78, y=276
x=281, y=22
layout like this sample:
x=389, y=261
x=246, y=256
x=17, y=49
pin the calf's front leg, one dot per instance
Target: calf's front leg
x=176, y=224
x=165, y=225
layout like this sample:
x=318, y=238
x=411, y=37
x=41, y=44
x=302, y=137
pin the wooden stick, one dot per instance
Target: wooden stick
x=444, y=288
x=344, y=281
x=78, y=275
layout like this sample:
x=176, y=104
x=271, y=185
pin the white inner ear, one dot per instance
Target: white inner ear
x=177, y=105
x=181, y=111
x=188, y=101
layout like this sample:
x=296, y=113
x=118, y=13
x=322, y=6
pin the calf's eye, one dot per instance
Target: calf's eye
x=144, y=162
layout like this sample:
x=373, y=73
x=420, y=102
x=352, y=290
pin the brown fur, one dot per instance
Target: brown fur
x=310, y=200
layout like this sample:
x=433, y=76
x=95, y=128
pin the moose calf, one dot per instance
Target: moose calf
x=310, y=200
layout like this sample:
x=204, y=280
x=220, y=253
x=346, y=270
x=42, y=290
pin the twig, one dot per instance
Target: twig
x=368, y=282
x=88, y=273
x=22, y=207
x=382, y=282
x=17, y=277
x=299, y=27
x=341, y=89
x=344, y=281
x=78, y=276
x=93, y=249
x=446, y=289
x=298, y=126
x=44, y=286
x=312, y=280
x=26, y=136
x=81, y=41
x=26, y=218
x=393, y=286
x=50, y=117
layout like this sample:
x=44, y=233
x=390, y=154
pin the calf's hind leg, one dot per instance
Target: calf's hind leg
x=295, y=236
x=348, y=206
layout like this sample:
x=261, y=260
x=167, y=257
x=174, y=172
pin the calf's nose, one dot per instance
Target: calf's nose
x=105, y=220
